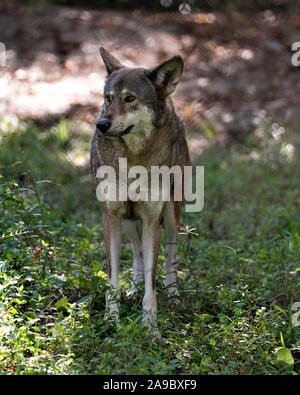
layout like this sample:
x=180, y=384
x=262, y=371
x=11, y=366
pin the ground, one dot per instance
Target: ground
x=239, y=260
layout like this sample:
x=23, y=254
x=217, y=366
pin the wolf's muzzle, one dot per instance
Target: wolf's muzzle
x=103, y=125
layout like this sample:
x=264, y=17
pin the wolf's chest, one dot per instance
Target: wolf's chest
x=137, y=142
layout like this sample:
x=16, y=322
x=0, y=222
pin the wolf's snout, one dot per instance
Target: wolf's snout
x=103, y=125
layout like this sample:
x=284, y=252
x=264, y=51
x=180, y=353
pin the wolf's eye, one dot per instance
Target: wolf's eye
x=130, y=98
x=108, y=99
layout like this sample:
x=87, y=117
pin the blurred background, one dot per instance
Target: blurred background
x=238, y=89
x=238, y=259
x=237, y=55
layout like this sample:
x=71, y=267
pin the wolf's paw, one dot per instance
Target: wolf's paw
x=150, y=322
x=154, y=333
x=112, y=316
x=177, y=303
x=152, y=330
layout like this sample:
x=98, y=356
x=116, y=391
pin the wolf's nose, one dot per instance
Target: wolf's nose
x=103, y=125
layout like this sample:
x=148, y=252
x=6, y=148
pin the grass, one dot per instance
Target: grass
x=239, y=277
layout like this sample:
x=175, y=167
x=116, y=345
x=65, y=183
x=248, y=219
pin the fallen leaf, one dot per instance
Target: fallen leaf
x=36, y=255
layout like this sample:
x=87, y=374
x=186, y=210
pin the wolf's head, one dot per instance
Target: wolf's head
x=135, y=98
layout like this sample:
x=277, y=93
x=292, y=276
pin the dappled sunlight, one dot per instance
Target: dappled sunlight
x=288, y=150
x=36, y=99
x=202, y=17
x=233, y=64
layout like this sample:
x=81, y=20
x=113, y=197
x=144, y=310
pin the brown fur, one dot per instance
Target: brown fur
x=156, y=139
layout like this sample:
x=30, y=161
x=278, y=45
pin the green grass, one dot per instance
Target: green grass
x=238, y=278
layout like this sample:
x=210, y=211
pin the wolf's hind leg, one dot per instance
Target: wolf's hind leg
x=170, y=249
x=131, y=230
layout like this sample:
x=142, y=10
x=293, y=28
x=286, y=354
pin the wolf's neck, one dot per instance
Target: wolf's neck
x=137, y=141
x=145, y=137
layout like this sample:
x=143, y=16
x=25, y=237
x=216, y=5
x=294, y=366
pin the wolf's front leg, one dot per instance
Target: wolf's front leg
x=151, y=238
x=170, y=250
x=112, y=240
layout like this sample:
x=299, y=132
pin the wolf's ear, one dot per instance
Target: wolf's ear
x=111, y=63
x=167, y=75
